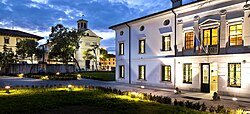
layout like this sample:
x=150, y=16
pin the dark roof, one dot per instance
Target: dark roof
x=18, y=33
x=111, y=55
x=154, y=14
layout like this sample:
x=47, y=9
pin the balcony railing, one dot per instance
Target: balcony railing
x=211, y=50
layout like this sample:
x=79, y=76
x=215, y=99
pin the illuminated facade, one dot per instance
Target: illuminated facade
x=87, y=41
x=201, y=46
x=11, y=37
x=108, y=64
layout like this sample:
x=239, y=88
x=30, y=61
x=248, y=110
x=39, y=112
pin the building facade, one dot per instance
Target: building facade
x=108, y=64
x=88, y=40
x=201, y=46
x=11, y=37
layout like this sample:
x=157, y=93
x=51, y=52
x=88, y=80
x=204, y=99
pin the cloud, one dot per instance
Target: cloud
x=4, y=2
x=105, y=34
x=32, y=5
x=40, y=1
x=37, y=16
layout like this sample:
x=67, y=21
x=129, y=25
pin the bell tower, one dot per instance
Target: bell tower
x=82, y=24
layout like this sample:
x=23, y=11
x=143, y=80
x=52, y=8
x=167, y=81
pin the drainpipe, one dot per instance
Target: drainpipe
x=129, y=54
x=175, y=47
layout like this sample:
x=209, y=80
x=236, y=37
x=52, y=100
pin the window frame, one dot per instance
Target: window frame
x=163, y=73
x=122, y=74
x=229, y=30
x=121, y=51
x=211, y=36
x=190, y=73
x=191, y=42
x=234, y=77
x=144, y=46
x=6, y=40
x=164, y=43
x=139, y=72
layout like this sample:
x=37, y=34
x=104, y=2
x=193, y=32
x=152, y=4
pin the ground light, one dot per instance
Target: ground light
x=7, y=88
x=58, y=73
x=70, y=87
x=142, y=87
x=234, y=99
x=78, y=76
x=20, y=75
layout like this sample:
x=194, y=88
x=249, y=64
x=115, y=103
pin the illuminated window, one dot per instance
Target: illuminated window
x=142, y=72
x=189, y=40
x=121, y=71
x=166, y=73
x=6, y=40
x=18, y=40
x=235, y=34
x=142, y=46
x=187, y=73
x=121, y=48
x=210, y=36
x=234, y=74
x=166, y=43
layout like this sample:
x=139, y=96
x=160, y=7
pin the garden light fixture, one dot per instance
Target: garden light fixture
x=7, y=89
x=234, y=99
x=142, y=87
x=58, y=73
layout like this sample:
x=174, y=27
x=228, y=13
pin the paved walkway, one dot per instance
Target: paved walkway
x=185, y=95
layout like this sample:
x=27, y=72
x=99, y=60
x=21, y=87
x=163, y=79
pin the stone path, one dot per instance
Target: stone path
x=203, y=97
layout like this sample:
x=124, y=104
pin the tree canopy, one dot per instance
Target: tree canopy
x=64, y=42
x=28, y=49
x=6, y=57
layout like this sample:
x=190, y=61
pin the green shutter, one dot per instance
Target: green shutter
x=163, y=43
x=163, y=73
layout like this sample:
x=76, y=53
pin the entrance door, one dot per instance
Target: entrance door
x=87, y=64
x=205, y=77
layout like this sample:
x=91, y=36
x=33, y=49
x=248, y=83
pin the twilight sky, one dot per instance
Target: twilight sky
x=37, y=16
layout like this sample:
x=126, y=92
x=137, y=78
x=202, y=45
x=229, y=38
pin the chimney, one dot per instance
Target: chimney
x=176, y=3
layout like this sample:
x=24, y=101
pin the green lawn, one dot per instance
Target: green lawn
x=100, y=75
x=80, y=101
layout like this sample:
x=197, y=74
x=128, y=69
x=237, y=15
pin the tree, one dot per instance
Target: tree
x=103, y=57
x=6, y=58
x=103, y=54
x=28, y=49
x=91, y=54
x=65, y=42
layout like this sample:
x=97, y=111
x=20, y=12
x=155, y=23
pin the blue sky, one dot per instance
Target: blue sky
x=37, y=16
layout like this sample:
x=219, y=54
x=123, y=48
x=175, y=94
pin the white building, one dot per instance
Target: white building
x=87, y=41
x=201, y=46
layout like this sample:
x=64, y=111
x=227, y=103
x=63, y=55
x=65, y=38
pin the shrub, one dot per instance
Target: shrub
x=197, y=106
x=212, y=109
x=175, y=102
x=189, y=104
x=220, y=109
x=203, y=107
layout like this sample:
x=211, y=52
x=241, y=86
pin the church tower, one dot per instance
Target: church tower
x=82, y=24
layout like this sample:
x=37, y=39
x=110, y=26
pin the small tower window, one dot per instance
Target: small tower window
x=85, y=25
x=121, y=33
x=142, y=28
x=166, y=22
x=81, y=25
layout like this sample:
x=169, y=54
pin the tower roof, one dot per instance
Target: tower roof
x=82, y=20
